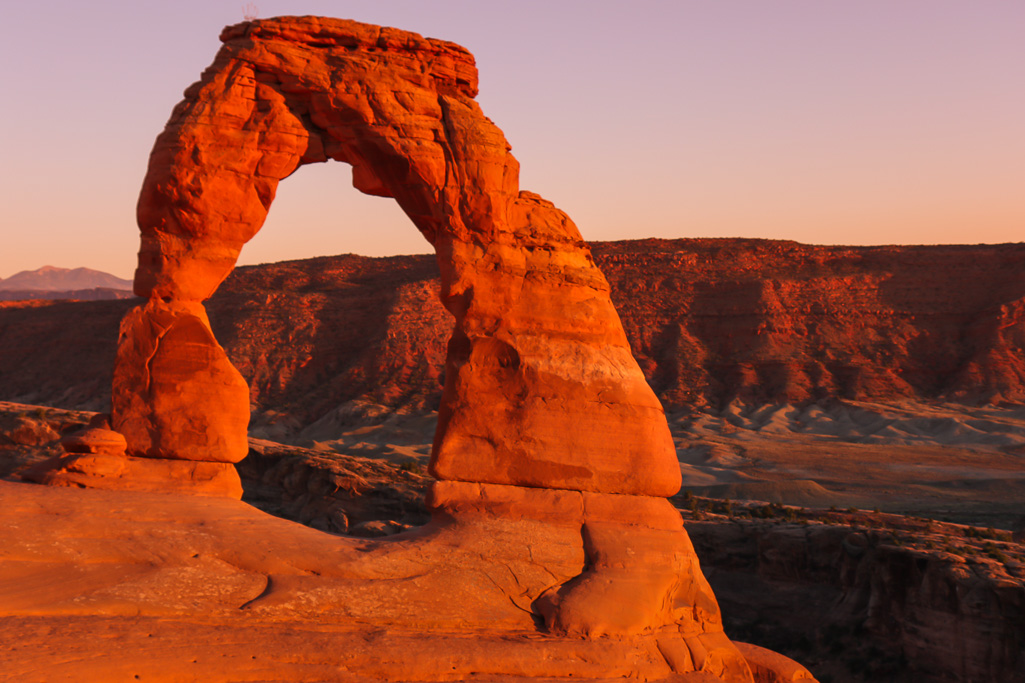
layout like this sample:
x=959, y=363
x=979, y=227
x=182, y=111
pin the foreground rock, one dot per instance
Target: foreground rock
x=168, y=587
x=879, y=593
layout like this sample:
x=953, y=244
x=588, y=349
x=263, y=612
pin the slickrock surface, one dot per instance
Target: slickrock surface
x=171, y=588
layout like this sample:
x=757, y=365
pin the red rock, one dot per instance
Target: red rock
x=122, y=472
x=713, y=320
x=175, y=393
x=553, y=453
x=95, y=440
x=219, y=579
x=310, y=335
x=640, y=575
x=903, y=598
x=541, y=388
x=95, y=458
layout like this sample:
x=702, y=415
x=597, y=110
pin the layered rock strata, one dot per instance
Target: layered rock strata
x=96, y=457
x=312, y=334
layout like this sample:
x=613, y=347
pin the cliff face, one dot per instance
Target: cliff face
x=59, y=353
x=883, y=597
x=769, y=321
x=708, y=320
x=309, y=335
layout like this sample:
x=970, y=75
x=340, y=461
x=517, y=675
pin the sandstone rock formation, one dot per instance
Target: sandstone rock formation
x=96, y=457
x=541, y=389
x=176, y=395
x=552, y=453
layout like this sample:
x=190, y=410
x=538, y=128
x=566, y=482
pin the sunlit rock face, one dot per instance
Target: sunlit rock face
x=548, y=435
x=541, y=388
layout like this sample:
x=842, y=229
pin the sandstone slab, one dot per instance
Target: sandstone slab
x=169, y=587
x=123, y=472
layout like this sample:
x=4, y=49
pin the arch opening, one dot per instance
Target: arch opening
x=317, y=212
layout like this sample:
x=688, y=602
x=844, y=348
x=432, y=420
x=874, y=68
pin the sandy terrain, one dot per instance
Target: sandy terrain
x=946, y=461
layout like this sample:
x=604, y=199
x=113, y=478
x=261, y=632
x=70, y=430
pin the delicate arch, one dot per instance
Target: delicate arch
x=541, y=387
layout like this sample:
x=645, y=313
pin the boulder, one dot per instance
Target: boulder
x=176, y=395
x=123, y=472
x=95, y=440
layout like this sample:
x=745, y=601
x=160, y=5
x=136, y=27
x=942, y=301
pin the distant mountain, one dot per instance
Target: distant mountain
x=51, y=279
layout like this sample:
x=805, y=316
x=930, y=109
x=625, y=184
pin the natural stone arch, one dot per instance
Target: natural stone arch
x=552, y=454
x=541, y=387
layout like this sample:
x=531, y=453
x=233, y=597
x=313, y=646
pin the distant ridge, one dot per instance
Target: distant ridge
x=53, y=279
x=94, y=294
x=711, y=322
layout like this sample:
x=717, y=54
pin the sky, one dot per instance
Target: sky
x=822, y=121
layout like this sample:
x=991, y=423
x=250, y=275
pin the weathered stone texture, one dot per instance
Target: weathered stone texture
x=176, y=395
x=541, y=389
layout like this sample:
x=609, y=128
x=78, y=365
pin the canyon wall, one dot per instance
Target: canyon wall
x=772, y=321
x=915, y=601
x=709, y=320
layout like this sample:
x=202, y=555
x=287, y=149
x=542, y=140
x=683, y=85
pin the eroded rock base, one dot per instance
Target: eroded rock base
x=125, y=473
x=202, y=585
